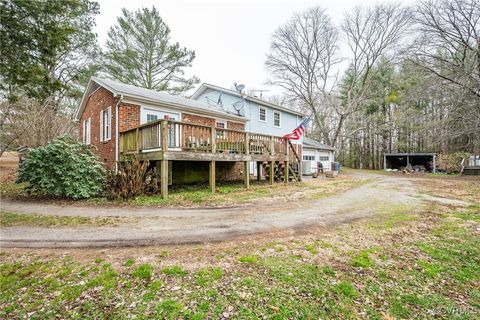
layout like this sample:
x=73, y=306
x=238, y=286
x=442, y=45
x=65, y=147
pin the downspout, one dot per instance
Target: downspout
x=117, y=137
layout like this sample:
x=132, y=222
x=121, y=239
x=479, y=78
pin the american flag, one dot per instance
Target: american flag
x=298, y=131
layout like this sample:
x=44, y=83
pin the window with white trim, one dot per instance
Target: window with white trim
x=323, y=158
x=220, y=124
x=309, y=158
x=262, y=114
x=276, y=119
x=105, y=125
x=86, y=131
x=152, y=117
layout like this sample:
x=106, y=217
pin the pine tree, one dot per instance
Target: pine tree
x=140, y=52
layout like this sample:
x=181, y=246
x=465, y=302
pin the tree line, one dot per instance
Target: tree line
x=411, y=82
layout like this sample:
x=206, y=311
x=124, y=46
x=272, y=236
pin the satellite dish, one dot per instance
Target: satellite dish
x=238, y=106
x=239, y=87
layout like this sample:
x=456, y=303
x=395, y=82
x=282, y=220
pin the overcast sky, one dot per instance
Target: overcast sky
x=230, y=37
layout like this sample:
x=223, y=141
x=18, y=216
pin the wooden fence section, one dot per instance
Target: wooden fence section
x=169, y=135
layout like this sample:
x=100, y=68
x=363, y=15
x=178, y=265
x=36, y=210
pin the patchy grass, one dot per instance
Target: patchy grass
x=144, y=271
x=12, y=219
x=174, y=271
x=200, y=195
x=466, y=188
x=12, y=190
x=471, y=213
x=363, y=171
x=427, y=268
x=248, y=259
x=362, y=259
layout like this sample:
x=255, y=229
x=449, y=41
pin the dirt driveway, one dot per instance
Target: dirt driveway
x=153, y=226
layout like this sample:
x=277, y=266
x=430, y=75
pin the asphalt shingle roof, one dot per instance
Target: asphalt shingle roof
x=152, y=95
x=307, y=142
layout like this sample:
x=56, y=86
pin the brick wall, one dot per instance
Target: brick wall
x=100, y=100
x=207, y=121
x=129, y=116
x=236, y=125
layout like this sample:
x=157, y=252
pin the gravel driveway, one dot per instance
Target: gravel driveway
x=174, y=226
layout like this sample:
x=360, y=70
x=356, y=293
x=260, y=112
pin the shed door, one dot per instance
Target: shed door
x=309, y=155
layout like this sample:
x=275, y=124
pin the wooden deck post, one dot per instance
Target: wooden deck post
x=137, y=140
x=213, y=144
x=158, y=167
x=211, y=176
x=300, y=162
x=164, y=135
x=272, y=178
x=287, y=164
x=246, y=172
x=272, y=146
x=259, y=167
x=164, y=178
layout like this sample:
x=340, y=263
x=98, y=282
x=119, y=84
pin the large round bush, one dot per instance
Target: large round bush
x=63, y=168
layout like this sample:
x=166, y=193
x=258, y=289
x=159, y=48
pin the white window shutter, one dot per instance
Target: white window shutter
x=85, y=131
x=108, y=134
x=101, y=137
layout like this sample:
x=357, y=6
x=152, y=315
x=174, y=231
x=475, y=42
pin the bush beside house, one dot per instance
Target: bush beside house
x=63, y=168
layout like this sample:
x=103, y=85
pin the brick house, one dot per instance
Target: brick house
x=188, y=140
x=109, y=107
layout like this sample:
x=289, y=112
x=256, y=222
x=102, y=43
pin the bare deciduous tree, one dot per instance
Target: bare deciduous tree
x=27, y=122
x=304, y=52
x=371, y=33
x=302, y=55
x=448, y=43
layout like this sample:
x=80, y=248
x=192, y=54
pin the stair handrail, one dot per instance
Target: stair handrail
x=293, y=148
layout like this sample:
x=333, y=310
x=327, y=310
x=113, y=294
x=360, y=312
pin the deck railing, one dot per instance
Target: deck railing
x=169, y=135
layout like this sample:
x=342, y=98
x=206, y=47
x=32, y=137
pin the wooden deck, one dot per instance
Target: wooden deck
x=167, y=140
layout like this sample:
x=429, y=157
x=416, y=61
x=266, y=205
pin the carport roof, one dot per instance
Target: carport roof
x=410, y=154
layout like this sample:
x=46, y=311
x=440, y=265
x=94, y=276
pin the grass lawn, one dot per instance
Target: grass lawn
x=405, y=266
x=12, y=219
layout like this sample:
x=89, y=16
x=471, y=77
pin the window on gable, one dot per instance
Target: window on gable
x=276, y=119
x=263, y=114
x=86, y=132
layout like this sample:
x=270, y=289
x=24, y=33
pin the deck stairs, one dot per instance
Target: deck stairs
x=279, y=167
